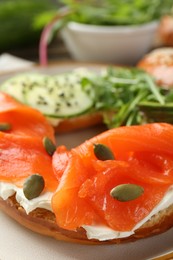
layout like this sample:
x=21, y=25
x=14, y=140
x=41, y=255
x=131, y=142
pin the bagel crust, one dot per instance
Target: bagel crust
x=80, y=122
x=159, y=63
x=43, y=221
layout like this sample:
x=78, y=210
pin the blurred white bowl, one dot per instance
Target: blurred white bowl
x=109, y=44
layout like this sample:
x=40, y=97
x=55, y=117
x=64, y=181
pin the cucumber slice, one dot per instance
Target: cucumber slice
x=64, y=98
x=19, y=85
x=59, y=96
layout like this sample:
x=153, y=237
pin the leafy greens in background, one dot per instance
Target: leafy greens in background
x=130, y=96
x=117, y=12
x=102, y=12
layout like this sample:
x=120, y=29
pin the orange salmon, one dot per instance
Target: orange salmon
x=23, y=119
x=22, y=156
x=143, y=156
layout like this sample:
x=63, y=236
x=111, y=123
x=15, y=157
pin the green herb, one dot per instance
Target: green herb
x=103, y=12
x=154, y=89
x=154, y=112
x=121, y=91
x=115, y=12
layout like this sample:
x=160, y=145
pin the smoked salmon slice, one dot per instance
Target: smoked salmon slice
x=22, y=156
x=23, y=119
x=143, y=156
x=22, y=152
x=120, y=216
x=67, y=194
x=60, y=159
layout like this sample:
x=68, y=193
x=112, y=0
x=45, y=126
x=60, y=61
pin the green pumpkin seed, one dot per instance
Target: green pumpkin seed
x=126, y=192
x=103, y=152
x=49, y=145
x=33, y=186
x=5, y=126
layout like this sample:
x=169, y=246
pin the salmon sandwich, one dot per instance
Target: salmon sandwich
x=113, y=188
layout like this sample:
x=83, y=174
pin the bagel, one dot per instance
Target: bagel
x=81, y=122
x=43, y=222
x=76, y=200
x=71, y=110
x=159, y=63
x=47, y=213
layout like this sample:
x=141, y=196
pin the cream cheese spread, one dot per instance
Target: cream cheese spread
x=101, y=233
x=105, y=233
x=54, y=121
x=43, y=201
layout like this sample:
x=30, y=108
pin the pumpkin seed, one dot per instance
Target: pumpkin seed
x=103, y=152
x=33, y=186
x=49, y=145
x=126, y=192
x=5, y=126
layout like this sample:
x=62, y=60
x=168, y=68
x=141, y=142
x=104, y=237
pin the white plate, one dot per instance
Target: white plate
x=18, y=243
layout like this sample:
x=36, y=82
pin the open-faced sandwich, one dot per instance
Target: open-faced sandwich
x=61, y=98
x=159, y=63
x=82, y=97
x=113, y=188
